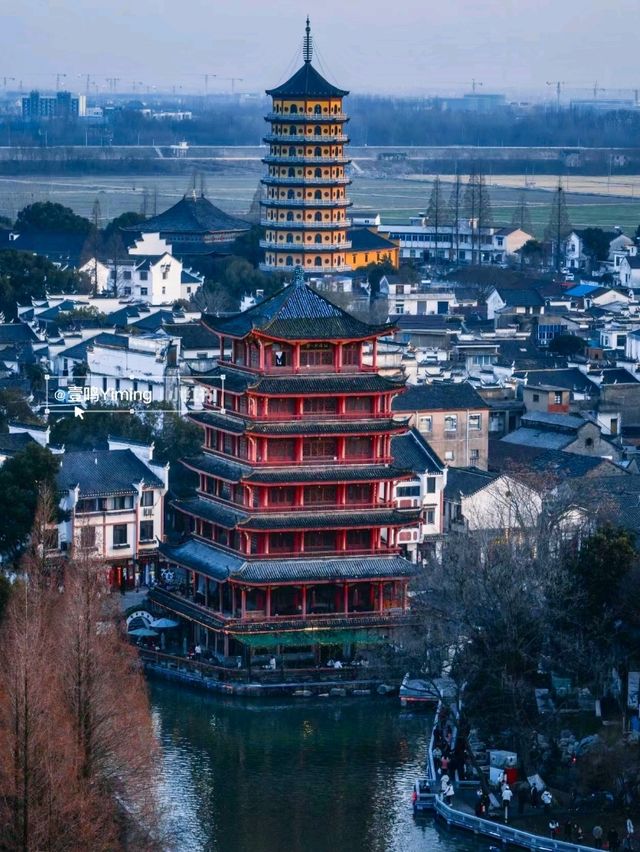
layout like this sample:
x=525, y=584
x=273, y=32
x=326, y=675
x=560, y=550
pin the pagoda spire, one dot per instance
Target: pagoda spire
x=307, y=46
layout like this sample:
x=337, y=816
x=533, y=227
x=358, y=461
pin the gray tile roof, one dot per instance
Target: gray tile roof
x=238, y=382
x=221, y=565
x=439, y=396
x=230, y=517
x=307, y=82
x=296, y=312
x=544, y=438
x=411, y=451
x=190, y=215
x=102, y=472
x=194, y=335
x=466, y=481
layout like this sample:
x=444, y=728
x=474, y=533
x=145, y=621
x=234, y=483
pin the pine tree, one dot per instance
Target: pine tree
x=559, y=227
x=477, y=203
x=521, y=215
x=437, y=213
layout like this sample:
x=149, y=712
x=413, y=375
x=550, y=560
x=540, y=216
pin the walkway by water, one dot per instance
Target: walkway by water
x=332, y=775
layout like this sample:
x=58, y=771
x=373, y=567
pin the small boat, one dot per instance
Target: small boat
x=423, y=795
x=414, y=690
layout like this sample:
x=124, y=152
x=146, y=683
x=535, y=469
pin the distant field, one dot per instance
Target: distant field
x=591, y=200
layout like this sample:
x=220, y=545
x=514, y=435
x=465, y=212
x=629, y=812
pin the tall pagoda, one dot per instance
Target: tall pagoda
x=292, y=537
x=305, y=204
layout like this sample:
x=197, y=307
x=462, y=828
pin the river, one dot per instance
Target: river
x=299, y=775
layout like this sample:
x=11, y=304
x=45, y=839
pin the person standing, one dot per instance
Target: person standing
x=448, y=794
x=523, y=795
x=507, y=795
x=613, y=838
x=534, y=796
x=597, y=836
x=546, y=798
x=630, y=829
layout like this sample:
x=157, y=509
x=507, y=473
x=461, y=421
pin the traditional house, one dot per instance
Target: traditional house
x=452, y=417
x=114, y=503
x=292, y=537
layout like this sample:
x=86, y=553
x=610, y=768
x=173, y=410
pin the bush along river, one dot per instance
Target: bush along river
x=299, y=775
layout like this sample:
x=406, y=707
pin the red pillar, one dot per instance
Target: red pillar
x=380, y=597
x=346, y=598
x=268, y=603
x=304, y=601
x=243, y=603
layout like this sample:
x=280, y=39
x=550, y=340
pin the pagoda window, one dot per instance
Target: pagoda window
x=320, y=540
x=206, y=530
x=254, y=544
x=320, y=405
x=318, y=216
x=318, y=238
x=280, y=355
x=320, y=495
x=227, y=443
x=291, y=194
x=318, y=261
x=351, y=358
x=320, y=448
x=358, y=539
x=283, y=496
x=293, y=109
x=317, y=194
x=317, y=173
x=254, y=361
x=282, y=450
x=225, y=491
x=316, y=355
x=289, y=216
x=282, y=406
x=289, y=260
x=291, y=172
x=281, y=542
x=292, y=151
x=317, y=130
x=317, y=152
x=359, y=404
x=243, y=448
x=357, y=446
x=358, y=492
x=289, y=238
x=223, y=536
x=317, y=109
x=255, y=600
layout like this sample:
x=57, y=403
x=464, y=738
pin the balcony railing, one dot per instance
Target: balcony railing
x=290, y=139
x=273, y=267
x=277, y=180
x=306, y=117
x=285, y=509
x=306, y=246
x=310, y=225
x=310, y=203
x=286, y=160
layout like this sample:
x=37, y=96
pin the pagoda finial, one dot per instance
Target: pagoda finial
x=307, y=47
x=298, y=277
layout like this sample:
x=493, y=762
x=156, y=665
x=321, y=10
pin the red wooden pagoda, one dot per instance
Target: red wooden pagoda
x=292, y=534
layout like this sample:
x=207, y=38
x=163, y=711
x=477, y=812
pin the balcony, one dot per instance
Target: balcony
x=325, y=270
x=306, y=246
x=286, y=160
x=272, y=180
x=310, y=203
x=290, y=139
x=309, y=225
x=307, y=117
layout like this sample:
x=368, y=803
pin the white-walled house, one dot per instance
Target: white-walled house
x=476, y=500
x=114, y=504
x=149, y=273
x=426, y=490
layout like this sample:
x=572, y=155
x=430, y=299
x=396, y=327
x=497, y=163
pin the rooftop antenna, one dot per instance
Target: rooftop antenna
x=307, y=46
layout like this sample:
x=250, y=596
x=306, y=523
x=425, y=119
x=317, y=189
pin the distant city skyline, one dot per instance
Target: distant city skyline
x=368, y=47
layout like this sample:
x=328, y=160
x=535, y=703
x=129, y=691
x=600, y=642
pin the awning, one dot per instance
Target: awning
x=313, y=637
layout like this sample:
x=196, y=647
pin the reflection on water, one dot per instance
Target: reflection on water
x=295, y=776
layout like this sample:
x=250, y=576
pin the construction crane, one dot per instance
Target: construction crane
x=207, y=77
x=113, y=83
x=233, y=80
x=474, y=84
x=59, y=78
x=135, y=83
x=6, y=80
x=557, y=84
x=597, y=89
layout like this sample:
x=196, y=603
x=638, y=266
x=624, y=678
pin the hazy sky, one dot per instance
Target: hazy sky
x=411, y=46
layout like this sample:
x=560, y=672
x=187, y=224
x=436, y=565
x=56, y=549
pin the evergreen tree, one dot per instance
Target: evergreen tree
x=437, y=213
x=521, y=215
x=559, y=227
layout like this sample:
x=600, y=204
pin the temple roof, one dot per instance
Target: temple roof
x=221, y=565
x=307, y=82
x=297, y=312
x=230, y=517
x=193, y=214
x=237, y=381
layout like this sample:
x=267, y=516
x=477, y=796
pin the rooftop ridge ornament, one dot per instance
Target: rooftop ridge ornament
x=298, y=277
x=307, y=45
